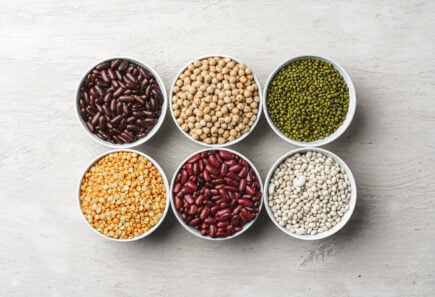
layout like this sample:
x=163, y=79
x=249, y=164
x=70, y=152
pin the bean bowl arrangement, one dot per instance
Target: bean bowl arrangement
x=309, y=101
x=216, y=101
x=310, y=193
x=121, y=102
x=216, y=194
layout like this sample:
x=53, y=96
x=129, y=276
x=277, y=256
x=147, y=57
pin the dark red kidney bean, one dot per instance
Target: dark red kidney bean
x=230, y=162
x=193, y=209
x=238, y=228
x=223, y=205
x=183, y=176
x=204, y=213
x=195, y=168
x=233, y=176
x=244, y=202
x=222, y=224
x=191, y=186
x=235, y=220
x=212, y=230
x=231, y=182
x=189, y=198
x=204, y=232
x=237, y=209
x=209, y=220
x=178, y=202
x=235, y=168
x=230, y=188
x=244, y=171
x=225, y=155
x=242, y=185
x=194, y=222
x=206, y=176
x=223, y=169
x=223, y=211
x=189, y=169
x=199, y=199
x=211, y=170
x=249, y=190
x=217, y=181
x=224, y=217
x=177, y=188
x=213, y=161
x=214, y=209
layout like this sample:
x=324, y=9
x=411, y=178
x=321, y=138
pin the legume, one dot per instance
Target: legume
x=309, y=193
x=123, y=195
x=215, y=100
x=307, y=100
x=217, y=192
x=120, y=101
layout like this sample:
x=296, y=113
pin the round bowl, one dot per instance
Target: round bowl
x=347, y=214
x=243, y=136
x=350, y=111
x=140, y=140
x=165, y=181
x=193, y=230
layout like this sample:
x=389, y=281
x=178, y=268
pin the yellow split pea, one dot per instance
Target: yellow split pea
x=123, y=195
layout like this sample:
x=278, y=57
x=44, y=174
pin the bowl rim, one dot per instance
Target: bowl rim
x=352, y=202
x=350, y=111
x=140, y=140
x=193, y=230
x=229, y=143
x=165, y=181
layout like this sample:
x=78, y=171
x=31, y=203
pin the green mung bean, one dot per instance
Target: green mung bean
x=308, y=100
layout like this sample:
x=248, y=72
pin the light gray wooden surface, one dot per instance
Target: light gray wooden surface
x=387, y=249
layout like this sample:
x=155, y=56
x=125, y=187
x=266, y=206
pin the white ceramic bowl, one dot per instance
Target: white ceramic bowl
x=350, y=111
x=165, y=181
x=193, y=230
x=243, y=136
x=346, y=215
x=140, y=140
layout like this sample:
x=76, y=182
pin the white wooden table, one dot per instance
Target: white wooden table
x=387, y=249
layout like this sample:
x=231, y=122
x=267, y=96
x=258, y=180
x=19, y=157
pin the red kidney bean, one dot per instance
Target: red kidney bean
x=244, y=202
x=189, y=198
x=226, y=155
x=204, y=213
x=110, y=89
x=216, y=192
x=199, y=199
x=209, y=220
x=193, y=209
x=235, y=220
x=213, y=161
x=221, y=224
x=212, y=230
x=235, y=168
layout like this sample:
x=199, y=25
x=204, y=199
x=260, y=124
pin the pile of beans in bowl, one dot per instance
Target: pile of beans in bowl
x=217, y=193
x=120, y=101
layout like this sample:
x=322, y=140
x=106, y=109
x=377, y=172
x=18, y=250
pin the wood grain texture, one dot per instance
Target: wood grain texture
x=387, y=249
